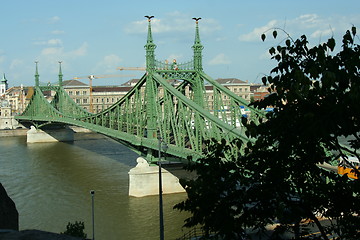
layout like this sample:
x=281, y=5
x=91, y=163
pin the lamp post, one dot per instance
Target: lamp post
x=92, y=192
x=161, y=215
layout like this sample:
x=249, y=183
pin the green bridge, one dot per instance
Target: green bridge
x=154, y=109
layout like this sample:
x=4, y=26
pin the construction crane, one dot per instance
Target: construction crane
x=92, y=77
x=131, y=68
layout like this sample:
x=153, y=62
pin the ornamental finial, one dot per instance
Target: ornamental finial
x=149, y=17
x=196, y=19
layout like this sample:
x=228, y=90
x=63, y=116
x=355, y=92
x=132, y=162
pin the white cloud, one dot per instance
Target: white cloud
x=220, y=59
x=60, y=53
x=81, y=51
x=256, y=33
x=157, y=26
x=15, y=64
x=173, y=22
x=50, y=42
x=307, y=20
x=108, y=64
x=58, y=32
x=55, y=42
x=312, y=25
x=54, y=19
x=52, y=51
x=320, y=33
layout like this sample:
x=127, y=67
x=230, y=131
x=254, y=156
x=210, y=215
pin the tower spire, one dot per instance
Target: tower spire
x=36, y=74
x=4, y=78
x=197, y=47
x=3, y=85
x=60, y=74
x=150, y=47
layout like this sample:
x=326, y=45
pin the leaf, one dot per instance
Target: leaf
x=264, y=80
x=274, y=33
x=353, y=30
x=272, y=51
x=287, y=42
x=263, y=36
x=331, y=44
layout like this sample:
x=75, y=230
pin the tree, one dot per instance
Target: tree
x=316, y=94
x=75, y=229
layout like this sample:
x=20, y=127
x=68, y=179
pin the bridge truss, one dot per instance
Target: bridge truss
x=182, y=116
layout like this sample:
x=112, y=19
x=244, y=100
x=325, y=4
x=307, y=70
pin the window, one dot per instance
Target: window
x=77, y=92
x=84, y=92
x=70, y=93
x=84, y=100
x=78, y=100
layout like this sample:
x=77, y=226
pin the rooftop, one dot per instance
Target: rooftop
x=73, y=83
x=223, y=81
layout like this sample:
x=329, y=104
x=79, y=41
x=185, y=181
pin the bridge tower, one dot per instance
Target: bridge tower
x=150, y=86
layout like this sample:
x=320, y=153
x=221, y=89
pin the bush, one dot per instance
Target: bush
x=75, y=229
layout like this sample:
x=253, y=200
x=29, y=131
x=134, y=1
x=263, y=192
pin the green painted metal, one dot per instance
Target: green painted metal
x=182, y=116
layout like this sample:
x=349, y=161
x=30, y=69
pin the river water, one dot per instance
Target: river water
x=50, y=184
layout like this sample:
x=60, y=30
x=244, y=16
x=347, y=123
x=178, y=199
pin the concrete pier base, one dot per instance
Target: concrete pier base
x=52, y=135
x=144, y=180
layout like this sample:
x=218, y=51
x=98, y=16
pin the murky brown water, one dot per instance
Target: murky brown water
x=50, y=184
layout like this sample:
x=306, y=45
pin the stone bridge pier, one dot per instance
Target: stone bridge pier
x=63, y=134
x=144, y=180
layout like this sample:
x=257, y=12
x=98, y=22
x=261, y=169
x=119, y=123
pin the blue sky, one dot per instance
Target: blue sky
x=96, y=37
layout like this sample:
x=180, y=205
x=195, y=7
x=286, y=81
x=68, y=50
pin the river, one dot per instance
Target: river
x=50, y=184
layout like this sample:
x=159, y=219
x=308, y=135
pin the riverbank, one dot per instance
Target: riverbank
x=23, y=131
x=13, y=132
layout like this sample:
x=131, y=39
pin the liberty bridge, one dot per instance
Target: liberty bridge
x=153, y=111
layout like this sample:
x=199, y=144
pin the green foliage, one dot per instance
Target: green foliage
x=75, y=229
x=315, y=93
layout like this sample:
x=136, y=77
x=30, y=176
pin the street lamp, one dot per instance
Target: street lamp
x=92, y=192
x=163, y=146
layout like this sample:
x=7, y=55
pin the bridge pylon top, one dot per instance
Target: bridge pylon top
x=150, y=47
x=153, y=64
x=197, y=47
x=60, y=74
x=37, y=81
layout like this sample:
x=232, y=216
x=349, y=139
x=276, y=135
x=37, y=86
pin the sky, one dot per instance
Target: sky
x=95, y=37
